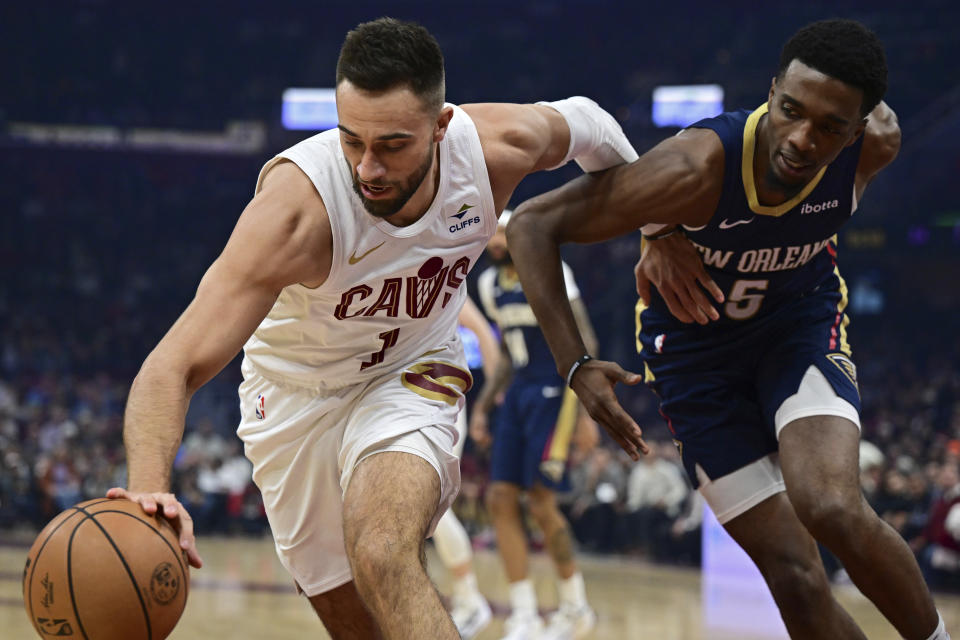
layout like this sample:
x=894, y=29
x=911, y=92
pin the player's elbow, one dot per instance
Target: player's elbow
x=522, y=223
x=164, y=368
x=538, y=217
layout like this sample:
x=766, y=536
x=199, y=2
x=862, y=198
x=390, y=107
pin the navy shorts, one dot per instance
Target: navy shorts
x=720, y=387
x=531, y=435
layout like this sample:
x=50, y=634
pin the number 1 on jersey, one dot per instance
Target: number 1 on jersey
x=389, y=339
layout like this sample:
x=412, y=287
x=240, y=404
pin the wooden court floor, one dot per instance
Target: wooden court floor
x=243, y=593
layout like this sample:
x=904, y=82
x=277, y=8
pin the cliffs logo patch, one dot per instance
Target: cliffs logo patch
x=261, y=408
x=846, y=365
x=463, y=223
x=164, y=584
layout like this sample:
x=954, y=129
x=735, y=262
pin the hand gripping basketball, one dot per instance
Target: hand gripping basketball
x=172, y=511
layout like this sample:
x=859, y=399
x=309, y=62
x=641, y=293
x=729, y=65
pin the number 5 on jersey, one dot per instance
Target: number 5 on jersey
x=743, y=303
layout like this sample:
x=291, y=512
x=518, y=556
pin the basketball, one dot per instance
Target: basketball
x=105, y=570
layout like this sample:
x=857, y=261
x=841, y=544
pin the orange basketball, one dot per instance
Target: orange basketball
x=105, y=570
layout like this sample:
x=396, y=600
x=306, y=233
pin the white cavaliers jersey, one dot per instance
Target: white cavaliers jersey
x=393, y=293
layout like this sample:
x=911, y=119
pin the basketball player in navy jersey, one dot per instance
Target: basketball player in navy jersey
x=763, y=401
x=342, y=282
x=534, y=429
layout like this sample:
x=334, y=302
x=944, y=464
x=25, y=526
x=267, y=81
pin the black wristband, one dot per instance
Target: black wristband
x=576, y=365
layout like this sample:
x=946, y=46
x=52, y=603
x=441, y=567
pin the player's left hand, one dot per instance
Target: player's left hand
x=674, y=267
x=593, y=384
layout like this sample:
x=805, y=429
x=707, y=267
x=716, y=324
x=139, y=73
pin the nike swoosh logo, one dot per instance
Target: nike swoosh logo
x=729, y=225
x=354, y=258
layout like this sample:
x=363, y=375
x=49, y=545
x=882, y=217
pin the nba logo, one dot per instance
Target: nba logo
x=658, y=342
x=261, y=411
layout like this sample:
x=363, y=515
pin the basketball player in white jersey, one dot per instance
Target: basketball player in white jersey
x=342, y=282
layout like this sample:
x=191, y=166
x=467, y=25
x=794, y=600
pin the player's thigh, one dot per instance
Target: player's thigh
x=818, y=427
x=716, y=422
x=820, y=461
x=807, y=369
x=393, y=496
x=777, y=541
x=291, y=436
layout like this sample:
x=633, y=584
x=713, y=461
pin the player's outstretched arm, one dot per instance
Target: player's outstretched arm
x=282, y=237
x=677, y=182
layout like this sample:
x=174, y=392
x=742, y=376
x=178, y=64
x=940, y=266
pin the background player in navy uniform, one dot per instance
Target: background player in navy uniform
x=763, y=402
x=532, y=435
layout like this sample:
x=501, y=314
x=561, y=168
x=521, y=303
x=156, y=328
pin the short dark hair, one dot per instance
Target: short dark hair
x=386, y=53
x=842, y=49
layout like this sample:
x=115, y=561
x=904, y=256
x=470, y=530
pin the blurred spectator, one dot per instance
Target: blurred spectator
x=656, y=492
x=940, y=559
x=596, y=500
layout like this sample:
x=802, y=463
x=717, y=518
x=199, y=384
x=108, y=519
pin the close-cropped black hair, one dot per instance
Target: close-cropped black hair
x=387, y=53
x=842, y=49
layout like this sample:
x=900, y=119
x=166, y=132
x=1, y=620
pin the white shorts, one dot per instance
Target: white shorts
x=305, y=444
x=735, y=493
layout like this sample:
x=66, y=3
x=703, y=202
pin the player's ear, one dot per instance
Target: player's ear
x=443, y=121
x=773, y=85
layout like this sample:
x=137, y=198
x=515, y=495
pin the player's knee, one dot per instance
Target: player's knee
x=502, y=499
x=798, y=585
x=831, y=515
x=378, y=559
x=543, y=504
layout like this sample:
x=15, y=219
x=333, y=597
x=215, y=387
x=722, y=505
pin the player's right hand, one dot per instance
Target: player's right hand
x=593, y=383
x=172, y=511
x=674, y=267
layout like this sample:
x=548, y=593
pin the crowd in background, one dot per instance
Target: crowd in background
x=61, y=442
x=106, y=249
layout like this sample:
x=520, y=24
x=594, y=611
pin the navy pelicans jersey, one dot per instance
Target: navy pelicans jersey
x=762, y=256
x=505, y=303
x=721, y=384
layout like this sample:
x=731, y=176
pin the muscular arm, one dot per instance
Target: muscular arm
x=282, y=237
x=677, y=182
x=518, y=139
x=584, y=325
x=881, y=144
